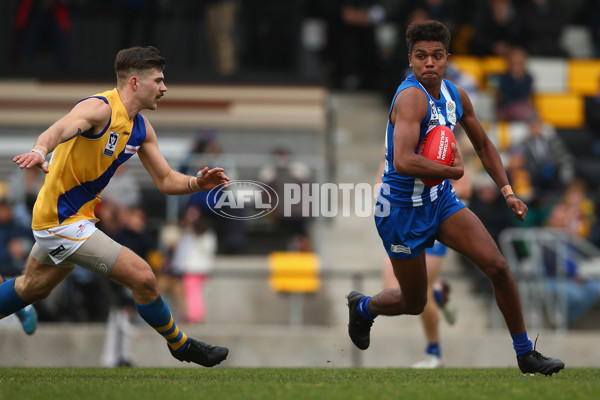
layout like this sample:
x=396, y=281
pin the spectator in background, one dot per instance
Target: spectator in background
x=206, y=151
x=221, y=18
x=124, y=189
x=280, y=171
x=15, y=238
x=490, y=207
x=547, y=159
x=539, y=166
x=575, y=212
x=515, y=89
x=133, y=230
x=575, y=215
x=590, y=11
x=195, y=258
x=495, y=28
x=540, y=28
x=138, y=19
x=23, y=189
x=37, y=22
x=15, y=242
x=466, y=81
x=519, y=175
x=592, y=115
x=270, y=34
x=352, y=43
x=523, y=183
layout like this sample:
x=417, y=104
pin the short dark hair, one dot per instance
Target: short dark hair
x=138, y=58
x=430, y=31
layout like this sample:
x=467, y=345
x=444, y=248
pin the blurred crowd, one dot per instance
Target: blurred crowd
x=348, y=44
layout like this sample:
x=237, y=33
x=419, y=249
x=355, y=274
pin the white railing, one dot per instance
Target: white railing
x=528, y=252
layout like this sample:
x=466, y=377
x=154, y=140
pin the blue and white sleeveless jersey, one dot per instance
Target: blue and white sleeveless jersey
x=405, y=191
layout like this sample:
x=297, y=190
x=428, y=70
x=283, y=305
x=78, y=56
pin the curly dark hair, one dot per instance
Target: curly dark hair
x=430, y=31
x=138, y=59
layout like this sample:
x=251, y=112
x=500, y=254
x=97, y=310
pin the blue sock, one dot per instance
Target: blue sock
x=363, y=308
x=10, y=302
x=522, y=344
x=158, y=316
x=438, y=296
x=434, y=349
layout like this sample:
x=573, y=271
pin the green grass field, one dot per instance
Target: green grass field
x=294, y=383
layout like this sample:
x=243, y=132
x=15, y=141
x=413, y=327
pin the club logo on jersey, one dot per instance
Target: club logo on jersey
x=451, y=112
x=111, y=145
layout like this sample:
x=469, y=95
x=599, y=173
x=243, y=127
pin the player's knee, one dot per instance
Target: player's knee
x=416, y=308
x=498, y=270
x=147, y=285
x=35, y=290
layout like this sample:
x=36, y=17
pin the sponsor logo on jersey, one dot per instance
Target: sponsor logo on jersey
x=451, y=112
x=57, y=250
x=129, y=149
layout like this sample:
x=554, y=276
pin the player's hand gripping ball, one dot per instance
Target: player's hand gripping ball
x=437, y=146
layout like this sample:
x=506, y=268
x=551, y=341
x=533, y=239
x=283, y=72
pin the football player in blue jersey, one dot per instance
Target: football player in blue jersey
x=410, y=215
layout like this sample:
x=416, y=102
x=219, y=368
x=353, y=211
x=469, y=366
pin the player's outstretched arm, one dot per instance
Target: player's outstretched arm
x=89, y=115
x=489, y=156
x=169, y=181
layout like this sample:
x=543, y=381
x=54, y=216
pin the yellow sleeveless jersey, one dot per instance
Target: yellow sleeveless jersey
x=81, y=168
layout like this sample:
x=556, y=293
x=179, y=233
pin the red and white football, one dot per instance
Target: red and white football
x=437, y=146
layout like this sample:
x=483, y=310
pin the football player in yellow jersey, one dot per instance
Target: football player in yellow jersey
x=88, y=144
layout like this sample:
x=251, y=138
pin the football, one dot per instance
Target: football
x=437, y=146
